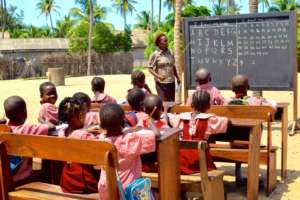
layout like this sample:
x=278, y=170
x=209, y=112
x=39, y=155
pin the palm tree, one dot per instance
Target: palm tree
x=63, y=26
x=123, y=7
x=82, y=13
x=159, y=13
x=177, y=41
x=89, y=58
x=284, y=5
x=265, y=4
x=143, y=20
x=170, y=4
x=4, y=16
x=46, y=7
x=152, y=13
x=218, y=8
x=253, y=6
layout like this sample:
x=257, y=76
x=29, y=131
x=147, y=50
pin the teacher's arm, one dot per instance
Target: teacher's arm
x=152, y=63
x=176, y=75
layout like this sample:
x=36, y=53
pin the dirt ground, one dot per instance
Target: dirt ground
x=117, y=86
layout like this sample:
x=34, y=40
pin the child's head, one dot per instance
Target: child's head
x=240, y=85
x=138, y=79
x=202, y=76
x=112, y=118
x=98, y=84
x=15, y=110
x=83, y=98
x=201, y=101
x=48, y=93
x=135, y=98
x=153, y=102
x=72, y=112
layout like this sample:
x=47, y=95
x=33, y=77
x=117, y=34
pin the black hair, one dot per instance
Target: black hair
x=135, y=98
x=111, y=117
x=150, y=103
x=44, y=85
x=68, y=108
x=13, y=106
x=200, y=101
x=157, y=38
x=137, y=77
x=98, y=84
x=83, y=98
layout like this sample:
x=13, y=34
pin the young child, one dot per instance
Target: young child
x=198, y=125
x=129, y=145
x=16, y=112
x=203, y=80
x=91, y=118
x=135, y=99
x=76, y=178
x=98, y=85
x=48, y=111
x=240, y=86
x=154, y=109
x=138, y=81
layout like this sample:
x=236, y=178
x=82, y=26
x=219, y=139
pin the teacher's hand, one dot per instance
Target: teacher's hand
x=178, y=81
x=161, y=78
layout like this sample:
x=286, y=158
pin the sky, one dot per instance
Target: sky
x=32, y=15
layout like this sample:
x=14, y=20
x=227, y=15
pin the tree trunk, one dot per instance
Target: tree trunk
x=89, y=58
x=152, y=9
x=4, y=15
x=124, y=15
x=177, y=43
x=253, y=6
x=159, y=14
x=51, y=22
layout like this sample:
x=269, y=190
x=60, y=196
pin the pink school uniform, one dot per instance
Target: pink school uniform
x=198, y=128
x=143, y=89
x=91, y=119
x=49, y=113
x=27, y=129
x=254, y=101
x=103, y=98
x=129, y=146
x=215, y=95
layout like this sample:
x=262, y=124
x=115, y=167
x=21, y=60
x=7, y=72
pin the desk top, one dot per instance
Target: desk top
x=282, y=104
x=245, y=122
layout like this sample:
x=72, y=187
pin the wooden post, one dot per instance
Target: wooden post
x=56, y=76
x=296, y=69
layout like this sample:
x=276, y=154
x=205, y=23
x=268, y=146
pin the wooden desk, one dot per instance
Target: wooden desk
x=168, y=160
x=253, y=128
x=282, y=116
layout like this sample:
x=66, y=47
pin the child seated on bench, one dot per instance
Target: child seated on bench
x=135, y=99
x=203, y=80
x=16, y=112
x=98, y=85
x=76, y=178
x=154, y=109
x=138, y=82
x=240, y=86
x=130, y=145
x=91, y=118
x=197, y=125
x=48, y=111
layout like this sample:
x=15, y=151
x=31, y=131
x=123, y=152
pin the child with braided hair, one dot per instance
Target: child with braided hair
x=197, y=125
x=76, y=178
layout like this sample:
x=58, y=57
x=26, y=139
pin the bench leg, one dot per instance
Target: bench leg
x=271, y=173
x=238, y=173
x=214, y=190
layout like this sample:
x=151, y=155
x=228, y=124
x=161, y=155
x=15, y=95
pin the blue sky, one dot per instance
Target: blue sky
x=32, y=15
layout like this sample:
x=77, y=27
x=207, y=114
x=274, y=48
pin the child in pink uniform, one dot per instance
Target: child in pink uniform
x=240, y=86
x=98, y=85
x=138, y=82
x=16, y=112
x=203, y=80
x=91, y=118
x=76, y=178
x=135, y=98
x=129, y=145
x=198, y=125
x=48, y=111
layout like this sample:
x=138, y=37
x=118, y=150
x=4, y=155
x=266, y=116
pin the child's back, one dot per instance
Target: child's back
x=129, y=146
x=203, y=80
x=98, y=85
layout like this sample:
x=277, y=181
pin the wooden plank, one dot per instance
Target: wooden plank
x=284, y=141
x=168, y=159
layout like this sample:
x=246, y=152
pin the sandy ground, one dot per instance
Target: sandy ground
x=117, y=85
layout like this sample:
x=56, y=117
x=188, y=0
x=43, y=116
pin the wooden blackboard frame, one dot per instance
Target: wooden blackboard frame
x=188, y=77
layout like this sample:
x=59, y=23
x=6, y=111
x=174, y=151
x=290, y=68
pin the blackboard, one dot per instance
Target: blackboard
x=261, y=46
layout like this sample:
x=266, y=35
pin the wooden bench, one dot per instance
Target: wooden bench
x=209, y=183
x=232, y=153
x=61, y=149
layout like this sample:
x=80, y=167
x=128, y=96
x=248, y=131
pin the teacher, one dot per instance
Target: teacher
x=162, y=67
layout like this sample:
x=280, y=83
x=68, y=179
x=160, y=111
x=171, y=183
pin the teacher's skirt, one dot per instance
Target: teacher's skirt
x=166, y=91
